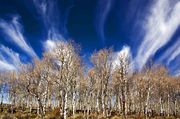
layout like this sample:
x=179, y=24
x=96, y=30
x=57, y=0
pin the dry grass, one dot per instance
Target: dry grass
x=54, y=114
x=116, y=117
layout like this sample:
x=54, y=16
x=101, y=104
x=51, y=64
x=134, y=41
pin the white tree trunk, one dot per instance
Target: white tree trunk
x=119, y=104
x=97, y=103
x=175, y=107
x=161, y=106
x=147, y=103
x=65, y=106
x=103, y=104
x=74, y=103
x=168, y=106
x=38, y=108
x=88, y=106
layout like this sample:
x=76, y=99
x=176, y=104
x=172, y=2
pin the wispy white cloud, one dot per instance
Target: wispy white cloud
x=161, y=24
x=49, y=45
x=13, y=30
x=9, y=60
x=6, y=66
x=48, y=10
x=174, y=55
x=170, y=54
x=174, y=66
x=126, y=56
x=177, y=73
x=9, y=56
x=103, y=8
x=124, y=52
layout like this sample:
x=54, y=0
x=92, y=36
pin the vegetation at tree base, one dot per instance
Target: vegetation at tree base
x=60, y=86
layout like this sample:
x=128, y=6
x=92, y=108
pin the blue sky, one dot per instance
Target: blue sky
x=149, y=29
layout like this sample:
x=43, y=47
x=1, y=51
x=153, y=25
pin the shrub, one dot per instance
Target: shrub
x=6, y=116
x=93, y=116
x=55, y=112
x=77, y=116
x=115, y=117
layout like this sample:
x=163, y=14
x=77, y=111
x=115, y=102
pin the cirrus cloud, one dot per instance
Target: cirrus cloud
x=160, y=25
x=9, y=60
x=13, y=30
